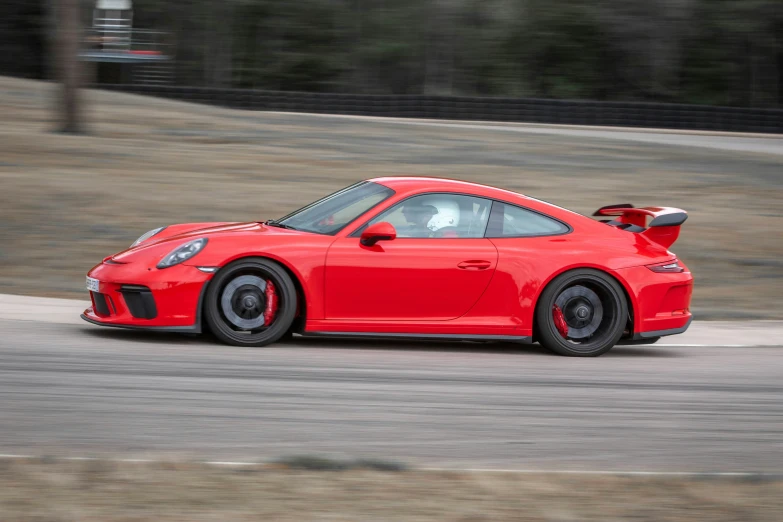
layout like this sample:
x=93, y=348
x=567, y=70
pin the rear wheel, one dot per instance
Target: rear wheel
x=250, y=302
x=581, y=313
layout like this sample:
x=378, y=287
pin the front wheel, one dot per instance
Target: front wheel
x=250, y=302
x=582, y=313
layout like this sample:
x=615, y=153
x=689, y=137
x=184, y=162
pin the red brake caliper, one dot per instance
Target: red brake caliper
x=271, y=303
x=560, y=322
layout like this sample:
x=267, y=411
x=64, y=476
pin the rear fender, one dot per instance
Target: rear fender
x=629, y=295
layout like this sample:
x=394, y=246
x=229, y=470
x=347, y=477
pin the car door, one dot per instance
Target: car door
x=432, y=274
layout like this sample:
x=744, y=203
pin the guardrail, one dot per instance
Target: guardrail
x=528, y=110
x=122, y=38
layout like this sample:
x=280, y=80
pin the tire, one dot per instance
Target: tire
x=297, y=326
x=236, y=300
x=594, y=308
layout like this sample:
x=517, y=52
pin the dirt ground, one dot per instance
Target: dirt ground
x=66, y=202
x=94, y=491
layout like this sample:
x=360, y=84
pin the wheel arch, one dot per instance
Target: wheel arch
x=301, y=289
x=630, y=298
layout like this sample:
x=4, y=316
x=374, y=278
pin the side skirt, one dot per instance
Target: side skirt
x=637, y=342
x=427, y=337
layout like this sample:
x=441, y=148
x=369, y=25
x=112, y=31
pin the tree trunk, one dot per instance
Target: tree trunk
x=70, y=68
x=52, y=71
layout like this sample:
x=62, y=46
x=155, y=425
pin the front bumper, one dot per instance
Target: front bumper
x=136, y=296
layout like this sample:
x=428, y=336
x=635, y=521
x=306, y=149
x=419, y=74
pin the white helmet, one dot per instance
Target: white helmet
x=447, y=216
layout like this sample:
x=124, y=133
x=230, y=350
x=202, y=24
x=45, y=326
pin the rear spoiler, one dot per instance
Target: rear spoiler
x=663, y=228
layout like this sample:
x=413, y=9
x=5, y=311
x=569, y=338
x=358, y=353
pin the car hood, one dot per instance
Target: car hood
x=175, y=235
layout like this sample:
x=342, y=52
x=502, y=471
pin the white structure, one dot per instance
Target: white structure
x=143, y=54
x=112, y=21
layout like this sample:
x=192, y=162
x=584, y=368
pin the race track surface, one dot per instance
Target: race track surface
x=79, y=390
x=737, y=142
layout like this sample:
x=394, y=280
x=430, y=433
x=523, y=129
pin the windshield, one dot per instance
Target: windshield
x=330, y=214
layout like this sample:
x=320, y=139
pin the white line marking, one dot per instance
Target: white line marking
x=232, y=464
x=681, y=345
x=229, y=463
x=521, y=124
x=89, y=459
x=739, y=143
x=611, y=472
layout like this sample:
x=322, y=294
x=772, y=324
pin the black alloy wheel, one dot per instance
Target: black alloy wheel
x=582, y=313
x=250, y=302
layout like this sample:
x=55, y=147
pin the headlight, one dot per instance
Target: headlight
x=147, y=235
x=183, y=253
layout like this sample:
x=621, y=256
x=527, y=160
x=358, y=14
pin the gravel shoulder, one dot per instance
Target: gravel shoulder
x=166, y=492
x=66, y=201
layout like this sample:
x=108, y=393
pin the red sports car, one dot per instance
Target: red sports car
x=409, y=257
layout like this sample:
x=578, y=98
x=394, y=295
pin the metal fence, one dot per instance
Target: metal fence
x=529, y=110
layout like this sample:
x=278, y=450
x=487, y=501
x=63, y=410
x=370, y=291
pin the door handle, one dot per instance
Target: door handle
x=474, y=264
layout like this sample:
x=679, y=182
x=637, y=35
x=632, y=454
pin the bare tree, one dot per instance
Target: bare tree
x=70, y=69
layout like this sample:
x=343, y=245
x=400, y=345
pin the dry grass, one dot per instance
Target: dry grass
x=66, y=202
x=106, y=491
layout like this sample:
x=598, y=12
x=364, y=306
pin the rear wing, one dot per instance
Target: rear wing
x=663, y=227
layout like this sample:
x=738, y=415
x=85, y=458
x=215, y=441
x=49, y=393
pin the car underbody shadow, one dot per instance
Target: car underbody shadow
x=391, y=344
x=363, y=344
x=152, y=337
x=206, y=339
x=645, y=351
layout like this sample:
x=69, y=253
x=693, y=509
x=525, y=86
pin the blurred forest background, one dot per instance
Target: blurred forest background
x=719, y=52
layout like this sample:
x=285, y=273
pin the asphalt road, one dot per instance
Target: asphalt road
x=79, y=390
x=724, y=141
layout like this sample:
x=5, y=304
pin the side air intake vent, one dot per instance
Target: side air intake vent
x=101, y=306
x=139, y=301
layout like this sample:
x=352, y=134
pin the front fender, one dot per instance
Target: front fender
x=303, y=256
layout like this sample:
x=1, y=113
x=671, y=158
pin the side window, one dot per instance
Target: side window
x=438, y=215
x=511, y=221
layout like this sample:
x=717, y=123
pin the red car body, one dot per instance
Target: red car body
x=464, y=288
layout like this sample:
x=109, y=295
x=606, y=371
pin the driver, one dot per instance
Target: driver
x=418, y=216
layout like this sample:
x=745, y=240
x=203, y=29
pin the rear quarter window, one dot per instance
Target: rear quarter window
x=511, y=221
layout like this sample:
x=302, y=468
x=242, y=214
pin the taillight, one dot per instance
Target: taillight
x=667, y=267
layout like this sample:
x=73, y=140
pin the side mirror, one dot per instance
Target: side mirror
x=382, y=231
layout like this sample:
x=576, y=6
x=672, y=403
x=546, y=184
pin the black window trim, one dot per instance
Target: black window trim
x=358, y=231
x=568, y=228
x=357, y=184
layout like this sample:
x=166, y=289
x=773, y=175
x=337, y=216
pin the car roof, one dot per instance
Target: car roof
x=409, y=185
x=416, y=183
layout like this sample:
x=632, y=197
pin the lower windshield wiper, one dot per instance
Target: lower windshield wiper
x=273, y=223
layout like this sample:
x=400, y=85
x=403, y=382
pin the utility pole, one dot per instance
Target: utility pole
x=69, y=66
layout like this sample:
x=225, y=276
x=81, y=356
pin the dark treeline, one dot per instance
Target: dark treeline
x=721, y=52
